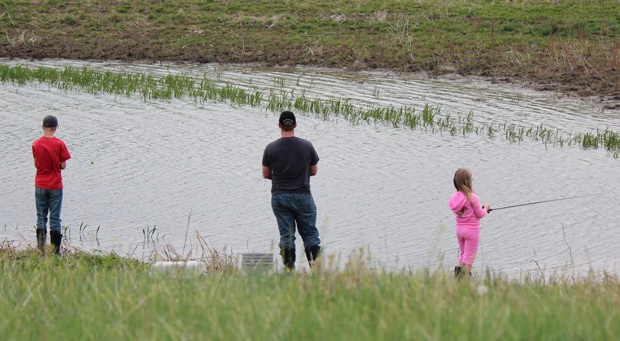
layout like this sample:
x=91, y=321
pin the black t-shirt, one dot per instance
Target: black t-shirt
x=290, y=159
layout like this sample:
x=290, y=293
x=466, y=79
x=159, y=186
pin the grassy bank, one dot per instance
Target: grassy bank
x=569, y=45
x=86, y=297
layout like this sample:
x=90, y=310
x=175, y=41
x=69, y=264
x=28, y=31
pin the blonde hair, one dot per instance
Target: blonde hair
x=463, y=182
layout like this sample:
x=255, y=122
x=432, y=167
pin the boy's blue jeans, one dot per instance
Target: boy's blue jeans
x=295, y=209
x=48, y=202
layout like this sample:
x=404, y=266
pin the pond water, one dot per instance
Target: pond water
x=193, y=172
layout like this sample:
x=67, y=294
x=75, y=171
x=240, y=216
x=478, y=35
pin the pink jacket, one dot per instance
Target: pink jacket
x=467, y=213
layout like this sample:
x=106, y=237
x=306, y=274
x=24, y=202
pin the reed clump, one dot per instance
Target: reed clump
x=168, y=87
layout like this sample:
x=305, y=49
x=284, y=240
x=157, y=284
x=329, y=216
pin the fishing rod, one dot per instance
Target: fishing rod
x=540, y=202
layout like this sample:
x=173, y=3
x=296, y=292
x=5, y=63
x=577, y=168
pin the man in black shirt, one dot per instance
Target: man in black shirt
x=289, y=162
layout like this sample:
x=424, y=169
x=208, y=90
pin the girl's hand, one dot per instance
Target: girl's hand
x=486, y=207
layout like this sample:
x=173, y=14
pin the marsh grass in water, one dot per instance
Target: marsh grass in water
x=82, y=296
x=428, y=119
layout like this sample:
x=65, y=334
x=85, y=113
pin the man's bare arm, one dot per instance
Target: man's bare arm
x=267, y=172
x=313, y=170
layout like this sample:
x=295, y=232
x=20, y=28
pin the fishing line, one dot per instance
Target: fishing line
x=540, y=202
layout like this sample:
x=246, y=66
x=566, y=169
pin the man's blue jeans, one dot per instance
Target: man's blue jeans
x=295, y=209
x=48, y=202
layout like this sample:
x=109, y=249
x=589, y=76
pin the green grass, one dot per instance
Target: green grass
x=569, y=45
x=427, y=119
x=81, y=296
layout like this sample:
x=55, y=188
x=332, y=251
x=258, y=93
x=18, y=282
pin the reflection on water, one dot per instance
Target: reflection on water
x=180, y=169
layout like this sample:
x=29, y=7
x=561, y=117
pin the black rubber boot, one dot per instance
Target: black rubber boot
x=288, y=258
x=312, y=254
x=56, y=239
x=41, y=239
x=457, y=271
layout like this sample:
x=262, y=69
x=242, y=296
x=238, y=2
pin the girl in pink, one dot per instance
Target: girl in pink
x=468, y=212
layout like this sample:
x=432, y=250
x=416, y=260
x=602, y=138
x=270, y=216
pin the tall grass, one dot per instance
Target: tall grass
x=101, y=297
x=428, y=119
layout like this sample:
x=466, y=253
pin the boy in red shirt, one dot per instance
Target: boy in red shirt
x=50, y=156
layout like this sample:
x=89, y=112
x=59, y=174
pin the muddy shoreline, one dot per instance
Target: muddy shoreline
x=546, y=46
x=601, y=88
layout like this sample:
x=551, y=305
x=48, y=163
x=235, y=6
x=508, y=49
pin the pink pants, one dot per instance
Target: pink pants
x=468, y=238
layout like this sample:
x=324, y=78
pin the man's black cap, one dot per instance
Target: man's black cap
x=287, y=118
